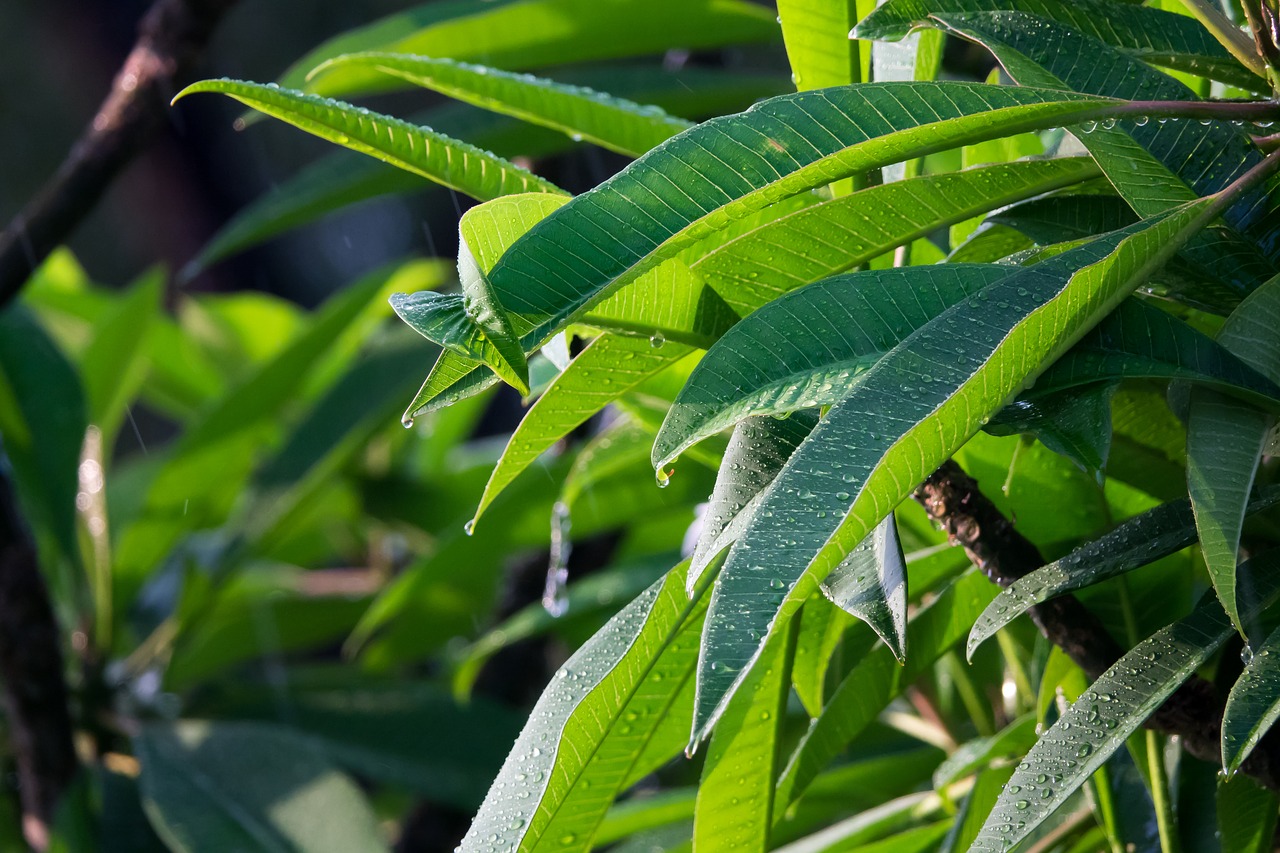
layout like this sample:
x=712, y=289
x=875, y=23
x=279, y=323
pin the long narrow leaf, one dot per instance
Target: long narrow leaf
x=1253, y=705
x=420, y=150
x=584, y=114
x=1100, y=721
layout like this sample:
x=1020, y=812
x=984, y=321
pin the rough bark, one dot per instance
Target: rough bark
x=171, y=39
x=31, y=667
x=1193, y=713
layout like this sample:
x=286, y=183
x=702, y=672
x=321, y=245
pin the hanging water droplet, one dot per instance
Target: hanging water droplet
x=470, y=527
x=555, y=598
x=1246, y=655
x=663, y=477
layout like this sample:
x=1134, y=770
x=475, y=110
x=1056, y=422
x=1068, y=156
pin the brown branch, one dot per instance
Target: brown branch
x=1193, y=713
x=171, y=38
x=31, y=667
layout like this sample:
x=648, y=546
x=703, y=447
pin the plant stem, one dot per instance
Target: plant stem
x=171, y=38
x=1228, y=34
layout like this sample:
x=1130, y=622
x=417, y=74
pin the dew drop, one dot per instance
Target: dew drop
x=470, y=527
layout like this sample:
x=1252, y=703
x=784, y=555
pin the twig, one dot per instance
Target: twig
x=171, y=38
x=1193, y=713
x=31, y=669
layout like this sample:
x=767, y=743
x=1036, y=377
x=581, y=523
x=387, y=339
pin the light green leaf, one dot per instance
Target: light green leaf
x=584, y=114
x=114, y=362
x=1253, y=705
x=878, y=677
x=607, y=368
x=1114, y=707
x=1225, y=439
x=1141, y=540
x=837, y=235
x=1154, y=36
x=819, y=48
x=914, y=408
x=592, y=725
x=420, y=150
x=249, y=786
x=535, y=33
x=1012, y=741
x=612, y=235
x=822, y=626
x=735, y=795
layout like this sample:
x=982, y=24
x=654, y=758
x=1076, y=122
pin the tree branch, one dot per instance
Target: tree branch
x=171, y=38
x=31, y=668
x=1193, y=713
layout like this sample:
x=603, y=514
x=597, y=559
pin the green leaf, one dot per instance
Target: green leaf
x=1152, y=165
x=1253, y=705
x=914, y=408
x=871, y=584
x=607, y=368
x=986, y=790
x=1225, y=440
x=584, y=114
x=1075, y=422
x=877, y=678
x=1141, y=540
x=756, y=453
x=343, y=178
x=1012, y=741
x=822, y=627
x=1152, y=35
x=534, y=33
x=840, y=234
x=612, y=235
x=1246, y=816
x=819, y=48
x=735, y=794
x=42, y=421
x=248, y=786
x=114, y=362
x=405, y=732
x=420, y=150
x=811, y=346
x=1116, y=704
x=592, y=724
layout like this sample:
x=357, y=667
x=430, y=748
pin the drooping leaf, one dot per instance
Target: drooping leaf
x=610, y=236
x=1225, y=440
x=1253, y=705
x=528, y=34
x=1137, y=542
x=249, y=786
x=915, y=407
x=591, y=725
x=1116, y=704
x=420, y=150
x=584, y=114
x=1075, y=422
x=837, y=235
x=871, y=583
x=877, y=678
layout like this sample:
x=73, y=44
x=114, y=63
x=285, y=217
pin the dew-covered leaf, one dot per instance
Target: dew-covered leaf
x=592, y=724
x=837, y=235
x=420, y=150
x=1141, y=540
x=584, y=114
x=610, y=236
x=1253, y=705
x=915, y=407
x=1115, y=706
